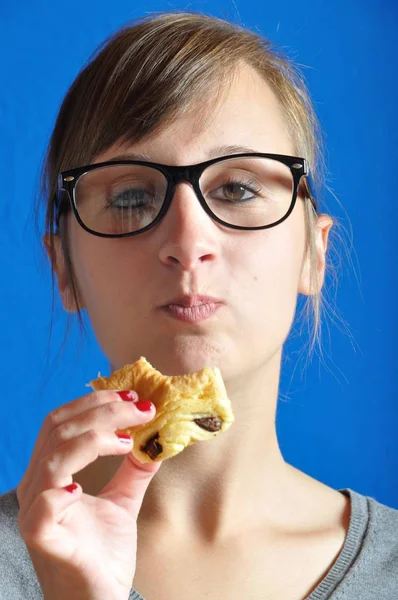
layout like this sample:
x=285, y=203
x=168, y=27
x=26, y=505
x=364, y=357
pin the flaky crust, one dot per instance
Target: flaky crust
x=189, y=408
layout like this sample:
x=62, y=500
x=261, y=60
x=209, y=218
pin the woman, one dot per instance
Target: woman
x=242, y=234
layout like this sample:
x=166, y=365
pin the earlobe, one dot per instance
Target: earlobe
x=57, y=260
x=68, y=300
x=322, y=228
x=304, y=283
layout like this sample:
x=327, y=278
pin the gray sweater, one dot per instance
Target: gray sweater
x=366, y=568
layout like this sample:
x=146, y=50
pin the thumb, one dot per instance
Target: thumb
x=128, y=486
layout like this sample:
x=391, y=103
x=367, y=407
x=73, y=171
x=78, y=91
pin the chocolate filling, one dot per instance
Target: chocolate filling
x=152, y=447
x=209, y=423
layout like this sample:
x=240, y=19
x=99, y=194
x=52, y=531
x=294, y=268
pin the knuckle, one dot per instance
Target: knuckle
x=92, y=436
x=112, y=408
x=100, y=397
x=97, y=397
x=62, y=433
x=53, y=418
x=50, y=464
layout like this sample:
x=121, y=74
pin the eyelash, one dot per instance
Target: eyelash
x=248, y=186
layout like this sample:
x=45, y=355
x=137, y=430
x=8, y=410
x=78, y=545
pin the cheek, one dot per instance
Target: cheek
x=105, y=271
x=270, y=273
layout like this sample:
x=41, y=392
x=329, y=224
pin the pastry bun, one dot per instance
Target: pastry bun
x=189, y=408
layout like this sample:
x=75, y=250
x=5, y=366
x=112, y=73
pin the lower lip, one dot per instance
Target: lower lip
x=192, y=314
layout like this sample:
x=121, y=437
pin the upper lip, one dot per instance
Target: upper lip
x=193, y=300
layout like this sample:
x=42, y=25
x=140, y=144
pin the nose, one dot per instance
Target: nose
x=191, y=237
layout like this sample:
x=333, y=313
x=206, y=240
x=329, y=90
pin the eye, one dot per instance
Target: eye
x=130, y=198
x=236, y=190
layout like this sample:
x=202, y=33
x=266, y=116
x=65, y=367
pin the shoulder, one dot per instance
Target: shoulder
x=381, y=514
x=9, y=521
x=370, y=552
x=17, y=575
x=8, y=506
x=382, y=534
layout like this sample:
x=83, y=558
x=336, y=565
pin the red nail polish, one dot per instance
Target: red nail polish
x=71, y=488
x=144, y=405
x=124, y=437
x=128, y=396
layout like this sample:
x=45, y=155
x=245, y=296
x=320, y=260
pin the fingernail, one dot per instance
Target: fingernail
x=128, y=396
x=124, y=437
x=144, y=405
x=71, y=488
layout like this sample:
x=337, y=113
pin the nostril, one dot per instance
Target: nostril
x=173, y=260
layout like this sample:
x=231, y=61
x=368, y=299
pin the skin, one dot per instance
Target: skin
x=258, y=274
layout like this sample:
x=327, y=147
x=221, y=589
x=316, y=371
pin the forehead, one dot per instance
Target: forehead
x=245, y=113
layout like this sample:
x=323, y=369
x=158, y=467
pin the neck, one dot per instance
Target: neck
x=202, y=492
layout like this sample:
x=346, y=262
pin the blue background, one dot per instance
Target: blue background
x=337, y=418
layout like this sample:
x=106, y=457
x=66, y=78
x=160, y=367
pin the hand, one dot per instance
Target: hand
x=84, y=547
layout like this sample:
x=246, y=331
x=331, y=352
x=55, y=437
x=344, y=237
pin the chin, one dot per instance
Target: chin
x=184, y=355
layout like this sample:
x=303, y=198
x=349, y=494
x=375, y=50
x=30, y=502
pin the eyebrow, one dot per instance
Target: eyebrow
x=212, y=153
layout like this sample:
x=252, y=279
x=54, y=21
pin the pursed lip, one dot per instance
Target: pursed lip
x=192, y=300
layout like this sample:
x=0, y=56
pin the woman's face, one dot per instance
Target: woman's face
x=256, y=274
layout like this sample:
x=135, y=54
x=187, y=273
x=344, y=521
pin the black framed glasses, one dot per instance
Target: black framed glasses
x=125, y=198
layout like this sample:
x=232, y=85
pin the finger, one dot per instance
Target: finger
x=108, y=417
x=73, y=409
x=129, y=484
x=48, y=509
x=57, y=468
x=60, y=416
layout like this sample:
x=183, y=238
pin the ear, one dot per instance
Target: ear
x=59, y=267
x=322, y=228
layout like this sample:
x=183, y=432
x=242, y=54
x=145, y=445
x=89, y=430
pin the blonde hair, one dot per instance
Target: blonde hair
x=151, y=71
